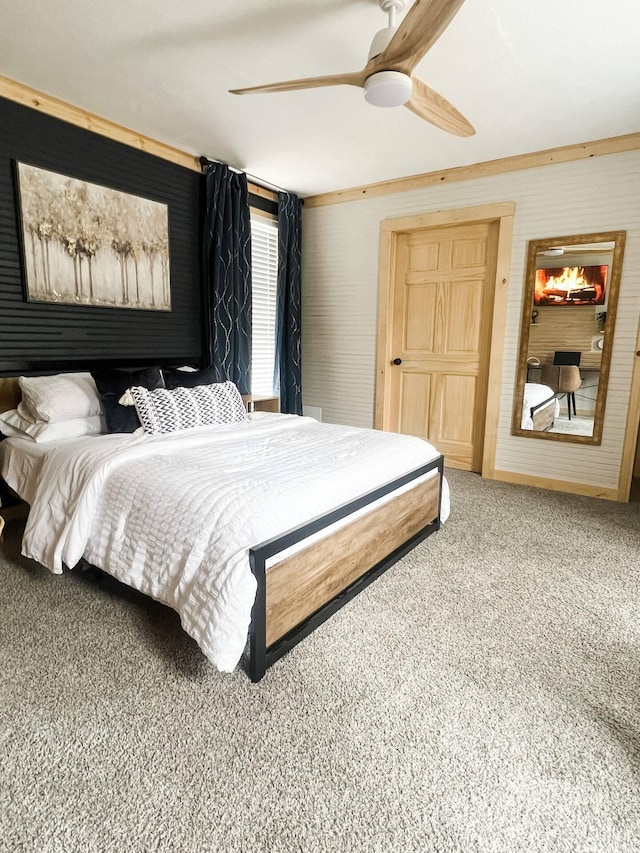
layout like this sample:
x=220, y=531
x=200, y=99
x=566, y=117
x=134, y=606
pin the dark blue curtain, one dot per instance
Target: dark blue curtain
x=227, y=263
x=288, y=369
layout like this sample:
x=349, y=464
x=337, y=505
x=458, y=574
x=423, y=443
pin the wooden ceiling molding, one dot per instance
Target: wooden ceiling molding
x=580, y=151
x=21, y=94
x=36, y=100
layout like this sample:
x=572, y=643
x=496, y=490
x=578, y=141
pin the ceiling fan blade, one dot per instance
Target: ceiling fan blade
x=432, y=107
x=575, y=250
x=420, y=28
x=356, y=78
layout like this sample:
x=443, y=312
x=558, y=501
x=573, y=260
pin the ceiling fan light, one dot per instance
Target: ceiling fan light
x=388, y=89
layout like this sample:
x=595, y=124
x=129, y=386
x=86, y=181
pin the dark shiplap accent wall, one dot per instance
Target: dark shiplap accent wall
x=35, y=336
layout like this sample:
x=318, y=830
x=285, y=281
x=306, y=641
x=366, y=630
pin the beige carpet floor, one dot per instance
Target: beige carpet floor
x=483, y=695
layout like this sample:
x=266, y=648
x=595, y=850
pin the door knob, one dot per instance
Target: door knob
x=397, y=361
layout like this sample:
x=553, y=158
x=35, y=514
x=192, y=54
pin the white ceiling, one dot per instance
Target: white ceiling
x=528, y=76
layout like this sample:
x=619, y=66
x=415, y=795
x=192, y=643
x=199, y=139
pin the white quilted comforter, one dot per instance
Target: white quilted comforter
x=174, y=515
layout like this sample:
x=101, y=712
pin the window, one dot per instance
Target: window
x=264, y=265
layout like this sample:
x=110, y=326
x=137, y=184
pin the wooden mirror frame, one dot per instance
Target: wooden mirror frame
x=618, y=238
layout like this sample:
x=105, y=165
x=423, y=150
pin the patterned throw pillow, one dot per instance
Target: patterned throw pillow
x=165, y=410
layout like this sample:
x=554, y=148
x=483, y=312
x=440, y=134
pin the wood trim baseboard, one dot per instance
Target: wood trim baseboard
x=488, y=168
x=585, y=489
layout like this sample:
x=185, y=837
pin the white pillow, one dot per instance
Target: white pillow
x=62, y=397
x=13, y=423
x=163, y=410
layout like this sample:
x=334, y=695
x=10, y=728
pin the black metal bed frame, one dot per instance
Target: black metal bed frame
x=260, y=657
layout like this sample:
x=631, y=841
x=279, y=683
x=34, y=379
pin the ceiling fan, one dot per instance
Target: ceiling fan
x=387, y=77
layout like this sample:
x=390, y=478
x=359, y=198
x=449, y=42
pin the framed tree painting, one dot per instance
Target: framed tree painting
x=85, y=244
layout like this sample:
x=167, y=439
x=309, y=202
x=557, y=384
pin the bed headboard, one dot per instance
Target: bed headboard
x=9, y=393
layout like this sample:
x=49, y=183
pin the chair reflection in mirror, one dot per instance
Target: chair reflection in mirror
x=564, y=376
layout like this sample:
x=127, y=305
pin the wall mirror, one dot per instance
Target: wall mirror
x=568, y=324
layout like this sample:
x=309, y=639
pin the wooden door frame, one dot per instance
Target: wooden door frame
x=632, y=429
x=502, y=213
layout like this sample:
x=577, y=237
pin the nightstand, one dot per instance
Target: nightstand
x=261, y=403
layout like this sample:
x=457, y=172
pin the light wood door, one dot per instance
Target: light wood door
x=442, y=297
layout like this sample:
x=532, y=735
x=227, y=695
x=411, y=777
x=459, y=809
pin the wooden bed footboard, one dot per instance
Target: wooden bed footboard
x=543, y=415
x=301, y=591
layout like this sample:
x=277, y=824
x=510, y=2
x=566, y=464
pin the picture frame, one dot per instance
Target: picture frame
x=87, y=244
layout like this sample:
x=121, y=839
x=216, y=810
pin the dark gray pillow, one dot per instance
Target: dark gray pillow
x=112, y=384
x=189, y=378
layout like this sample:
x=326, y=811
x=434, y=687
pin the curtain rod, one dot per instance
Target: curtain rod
x=259, y=181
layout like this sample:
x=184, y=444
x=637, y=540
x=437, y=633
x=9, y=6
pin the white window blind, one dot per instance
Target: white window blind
x=264, y=264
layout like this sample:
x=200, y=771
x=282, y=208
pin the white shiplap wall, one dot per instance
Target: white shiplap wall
x=340, y=292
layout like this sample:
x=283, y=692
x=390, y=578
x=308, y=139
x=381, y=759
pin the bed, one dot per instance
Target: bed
x=540, y=407
x=254, y=532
